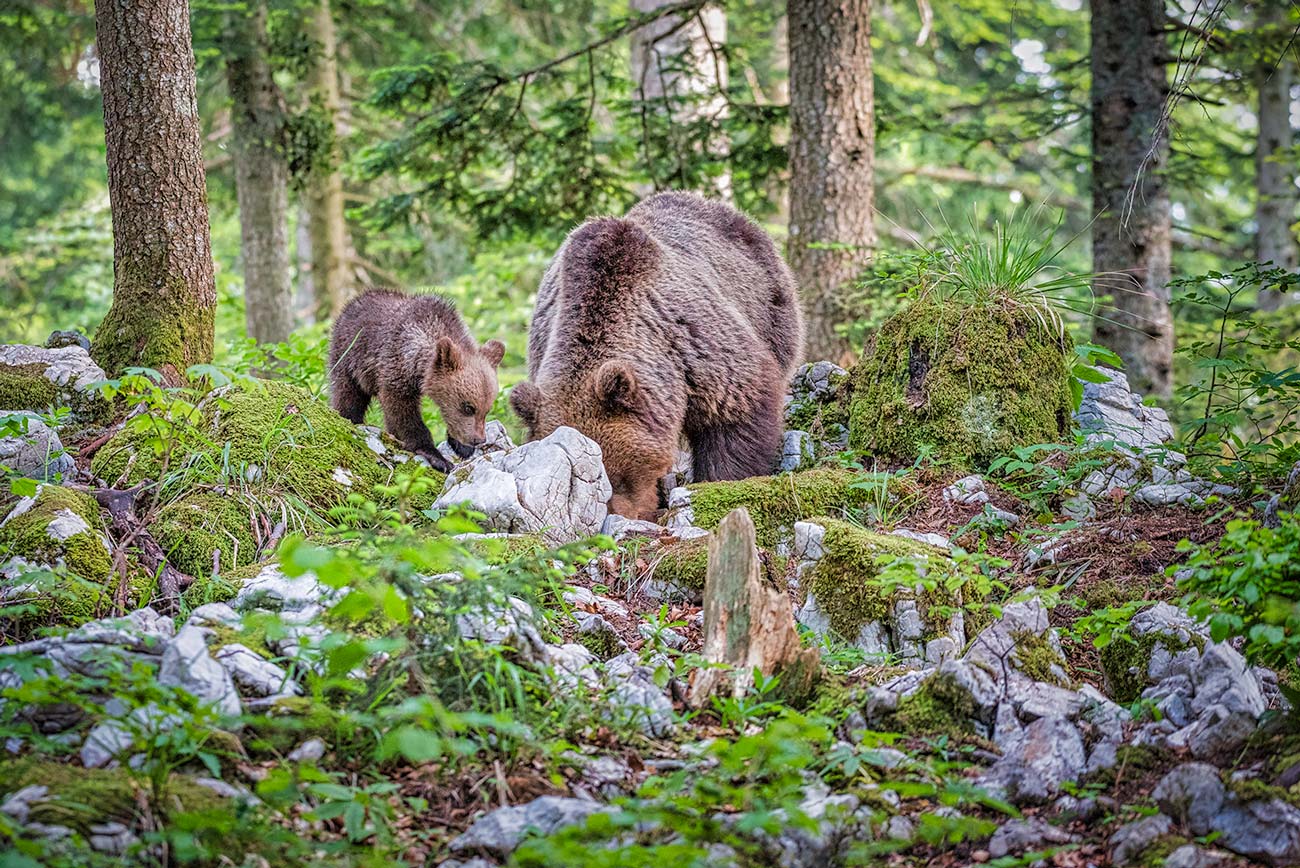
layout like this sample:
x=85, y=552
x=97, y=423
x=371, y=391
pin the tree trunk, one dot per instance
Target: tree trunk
x=261, y=176
x=679, y=67
x=327, y=224
x=1130, y=149
x=832, y=161
x=748, y=626
x=164, y=295
x=1275, y=192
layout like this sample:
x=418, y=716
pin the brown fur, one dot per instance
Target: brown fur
x=679, y=320
x=400, y=347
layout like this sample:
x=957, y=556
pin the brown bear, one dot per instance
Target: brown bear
x=401, y=347
x=678, y=321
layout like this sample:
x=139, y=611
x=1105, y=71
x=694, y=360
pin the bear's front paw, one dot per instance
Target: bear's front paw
x=436, y=461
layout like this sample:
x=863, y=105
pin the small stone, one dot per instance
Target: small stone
x=112, y=838
x=1050, y=754
x=1167, y=495
x=310, y=751
x=1266, y=829
x=1129, y=841
x=187, y=664
x=18, y=805
x=621, y=528
x=253, y=674
x=968, y=490
x=1017, y=836
x=60, y=338
x=1196, y=856
x=1191, y=794
x=937, y=540
x=796, y=451
x=1079, y=507
x=501, y=831
x=36, y=452
x=637, y=698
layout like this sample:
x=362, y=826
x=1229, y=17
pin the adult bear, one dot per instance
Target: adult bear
x=678, y=321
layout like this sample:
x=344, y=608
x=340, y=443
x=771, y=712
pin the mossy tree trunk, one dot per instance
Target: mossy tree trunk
x=164, y=294
x=832, y=161
x=327, y=223
x=1275, y=169
x=261, y=174
x=1130, y=199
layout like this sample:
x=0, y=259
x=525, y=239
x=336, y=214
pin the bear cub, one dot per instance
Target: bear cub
x=400, y=347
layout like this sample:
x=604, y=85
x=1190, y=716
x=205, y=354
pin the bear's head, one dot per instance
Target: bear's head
x=610, y=408
x=463, y=383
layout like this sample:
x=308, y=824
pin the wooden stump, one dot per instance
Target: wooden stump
x=747, y=625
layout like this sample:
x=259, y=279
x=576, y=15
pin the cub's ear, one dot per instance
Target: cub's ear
x=493, y=351
x=616, y=387
x=446, y=356
x=526, y=401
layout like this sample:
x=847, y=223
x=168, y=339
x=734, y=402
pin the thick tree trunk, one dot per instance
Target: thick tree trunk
x=327, y=224
x=1275, y=192
x=164, y=295
x=679, y=67
x=1130, y=149
x=261, y=176
x=832, y=160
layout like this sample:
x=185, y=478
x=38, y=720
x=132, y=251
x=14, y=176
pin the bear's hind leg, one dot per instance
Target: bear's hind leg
x=348, y=399
x=736, y=450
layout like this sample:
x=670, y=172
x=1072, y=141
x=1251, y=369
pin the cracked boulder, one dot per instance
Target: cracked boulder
x=556, y=486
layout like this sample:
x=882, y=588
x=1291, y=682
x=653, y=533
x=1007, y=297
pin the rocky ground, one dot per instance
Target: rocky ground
x=963, y=713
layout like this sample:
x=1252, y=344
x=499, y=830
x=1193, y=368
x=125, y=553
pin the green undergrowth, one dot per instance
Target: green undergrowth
x=775, y=503
x=683, y=564
x=971, y=381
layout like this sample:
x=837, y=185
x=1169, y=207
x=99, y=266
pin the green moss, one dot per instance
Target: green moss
x=84, y=553
x=1035, y=656
x=500, y=550
x=1159, y=851
x=971, y=382
x=822, y=419
x=1124, y=663
x=156, y=321
x=844, y=580
x=684, y=564
x=81, y=797
x=193, y=528
x=1133, y=761
x=775, y=503
x=292, y=720
x=24, y=387
x=281, y=437
x=935, y=710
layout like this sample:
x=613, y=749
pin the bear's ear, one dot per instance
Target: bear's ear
x=526, y=401
x=446, y=356
x=616, y=387
x=494, y=352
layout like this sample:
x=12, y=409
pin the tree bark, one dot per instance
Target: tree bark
x=327, y=223
x=748, y=626
x=1130, y=149
x=164, y=295
x=261, y=175
x=1275, y=191
x=832, y=160
x=680, y=67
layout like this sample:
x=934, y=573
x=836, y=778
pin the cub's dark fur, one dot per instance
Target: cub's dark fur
x=678, y=320
x=399, y=347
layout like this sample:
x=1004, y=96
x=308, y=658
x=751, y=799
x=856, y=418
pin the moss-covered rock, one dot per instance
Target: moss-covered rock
x=845, y=580
x=274, y=436
x=193, y=528
x=79, y=797
x=966, y=381
x=41, y=378
x=775, y=503
x=681, y=564
x=24, y=387
x=60, y=526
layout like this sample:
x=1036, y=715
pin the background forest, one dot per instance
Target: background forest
x=452, y=145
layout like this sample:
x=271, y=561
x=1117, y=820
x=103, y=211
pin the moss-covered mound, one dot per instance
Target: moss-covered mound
x=967, y=381
x=79, y=798
x=776, y=502
x=193, y=528
x=845, y=580
x=60, y=526
x=24, y=387
x=273, y=435
x=681, y=564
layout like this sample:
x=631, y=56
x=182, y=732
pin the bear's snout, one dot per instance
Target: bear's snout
x=464, y=450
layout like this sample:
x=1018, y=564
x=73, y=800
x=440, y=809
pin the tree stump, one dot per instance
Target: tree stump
x=747, y=625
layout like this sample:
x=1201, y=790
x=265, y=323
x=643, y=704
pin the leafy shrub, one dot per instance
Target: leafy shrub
x=1248, y=585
